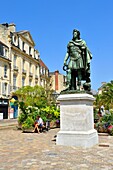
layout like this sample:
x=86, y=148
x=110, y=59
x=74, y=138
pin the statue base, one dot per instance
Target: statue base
x=76, y=121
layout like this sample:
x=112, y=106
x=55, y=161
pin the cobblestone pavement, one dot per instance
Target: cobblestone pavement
x=32, y=151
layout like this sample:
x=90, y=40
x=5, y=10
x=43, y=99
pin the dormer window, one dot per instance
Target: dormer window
x=23, y=46
x=15, y=39
x=30, y=51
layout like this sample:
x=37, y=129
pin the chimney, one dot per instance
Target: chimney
x=56, y=79
x=12, y=27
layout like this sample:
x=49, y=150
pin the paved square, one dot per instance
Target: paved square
x=32, y=151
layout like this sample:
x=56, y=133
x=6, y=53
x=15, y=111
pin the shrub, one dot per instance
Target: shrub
x=21, y=118
x=28, y=123
x=27, y=118
x=50, y=112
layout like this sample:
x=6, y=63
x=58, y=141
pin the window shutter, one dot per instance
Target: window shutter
x=0, y=88
x=3, y=89
x=8, y=89
x=1, y=49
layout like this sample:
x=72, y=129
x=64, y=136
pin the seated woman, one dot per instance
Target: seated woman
x=38, y=124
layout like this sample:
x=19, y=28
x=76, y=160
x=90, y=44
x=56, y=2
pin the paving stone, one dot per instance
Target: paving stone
x=31, y=151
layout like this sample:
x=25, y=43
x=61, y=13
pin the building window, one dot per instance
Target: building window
x=23, y=63
x=36, y=82
x=36, y=70
x=41, y=70
x=30, y=65
x=15, y=39
x=34, y=54
x=14, y=82
x=1, y=49
x=29, y=50
x=23, y=81
x=15, y=58
x=5, y=86
x=42, y=83
x=44, y=71
x=5, y=70
x=30, y=82
x=5, y=52
x=4, y=89
x=18, y=42
x=0, y=72
x=23, y=46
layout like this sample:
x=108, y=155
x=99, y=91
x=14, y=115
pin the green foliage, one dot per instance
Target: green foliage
x=51, y=112
x=29, y=114
x=34, y=101
x=28, y=123
x=111, y=132
x=106, y=98
x=105, y=122
x=57, y=113
x=98, y=101
x=107, y=118
x=96, y=116
x=21, y=118
x=32, y=96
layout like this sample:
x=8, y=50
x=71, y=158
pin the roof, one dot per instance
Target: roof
x=26, y=34
x=53, y=73
x=42, y=64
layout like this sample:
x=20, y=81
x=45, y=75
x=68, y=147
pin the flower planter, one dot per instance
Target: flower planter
x=55, y=124
x=110, y=130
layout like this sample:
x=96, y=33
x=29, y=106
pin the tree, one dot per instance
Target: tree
x=106, y=98
x=98, y=102
x=34, y=101
x=32, y=96
x=107, y=95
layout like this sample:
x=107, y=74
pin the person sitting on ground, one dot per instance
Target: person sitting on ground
x=38, y=124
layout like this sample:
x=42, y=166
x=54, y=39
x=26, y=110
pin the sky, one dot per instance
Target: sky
x=51, y=23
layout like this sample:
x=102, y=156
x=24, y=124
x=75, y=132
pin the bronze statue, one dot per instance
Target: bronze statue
x=78, y=57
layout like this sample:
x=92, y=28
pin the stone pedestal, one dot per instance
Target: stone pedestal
x=76, y=121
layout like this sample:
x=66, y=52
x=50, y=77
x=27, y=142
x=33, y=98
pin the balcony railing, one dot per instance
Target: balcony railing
x=5, y=57
x=15, y=68
x=30, y=74
x=24, y=71
x=36, y=77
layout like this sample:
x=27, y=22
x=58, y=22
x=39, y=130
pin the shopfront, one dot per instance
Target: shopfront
x=3, y=108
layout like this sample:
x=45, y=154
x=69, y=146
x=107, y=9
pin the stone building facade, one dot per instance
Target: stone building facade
x=58, y=81
x=20, y=63
x=44, y=73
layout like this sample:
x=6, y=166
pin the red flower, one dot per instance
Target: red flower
x=110, y=127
